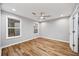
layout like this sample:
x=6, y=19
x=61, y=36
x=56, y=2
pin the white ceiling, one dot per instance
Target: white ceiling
x=53, y=9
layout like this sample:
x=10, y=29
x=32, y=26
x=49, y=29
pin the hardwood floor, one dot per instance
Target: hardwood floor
x=39, y=47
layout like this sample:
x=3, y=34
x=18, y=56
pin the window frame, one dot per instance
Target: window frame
x=36, y=27
x=16, y=18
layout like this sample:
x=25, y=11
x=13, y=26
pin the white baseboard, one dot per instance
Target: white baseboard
x=19, y=42
x=13, y=44
x=55, y=39
x=34, y=38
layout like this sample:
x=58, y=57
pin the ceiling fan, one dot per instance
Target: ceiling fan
x=41, y=15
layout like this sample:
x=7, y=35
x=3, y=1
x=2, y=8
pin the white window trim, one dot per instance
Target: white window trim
x=7, y=27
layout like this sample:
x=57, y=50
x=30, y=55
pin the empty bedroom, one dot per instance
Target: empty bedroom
x=39, y=29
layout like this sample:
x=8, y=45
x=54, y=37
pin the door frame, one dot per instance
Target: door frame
x=72, y=44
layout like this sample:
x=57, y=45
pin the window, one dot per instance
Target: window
x=35, y=27
x=13, y=27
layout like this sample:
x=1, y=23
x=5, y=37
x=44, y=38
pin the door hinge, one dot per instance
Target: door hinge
x=73, y=31
x=73, y=45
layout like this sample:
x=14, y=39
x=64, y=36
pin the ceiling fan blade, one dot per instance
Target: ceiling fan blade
x=33, y=13
x=47, y=16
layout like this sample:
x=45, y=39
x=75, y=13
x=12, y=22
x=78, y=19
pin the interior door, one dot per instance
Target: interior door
x=75, y=41
x=74, y=32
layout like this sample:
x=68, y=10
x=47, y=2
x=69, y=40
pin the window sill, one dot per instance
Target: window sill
x=13, y=37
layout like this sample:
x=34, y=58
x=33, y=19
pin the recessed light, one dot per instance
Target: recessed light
x=13, y=9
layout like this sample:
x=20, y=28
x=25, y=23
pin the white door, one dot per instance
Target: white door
x=74, y=32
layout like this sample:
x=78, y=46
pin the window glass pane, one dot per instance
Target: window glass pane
x=17, y=32
x=13, y=23
x=13, y=32
x=35, y=28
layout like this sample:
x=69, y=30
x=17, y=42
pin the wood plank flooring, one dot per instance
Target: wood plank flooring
x=39, y=47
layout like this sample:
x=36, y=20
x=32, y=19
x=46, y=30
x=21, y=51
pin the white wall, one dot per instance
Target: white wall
x=27, y=29
x=57, y=29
